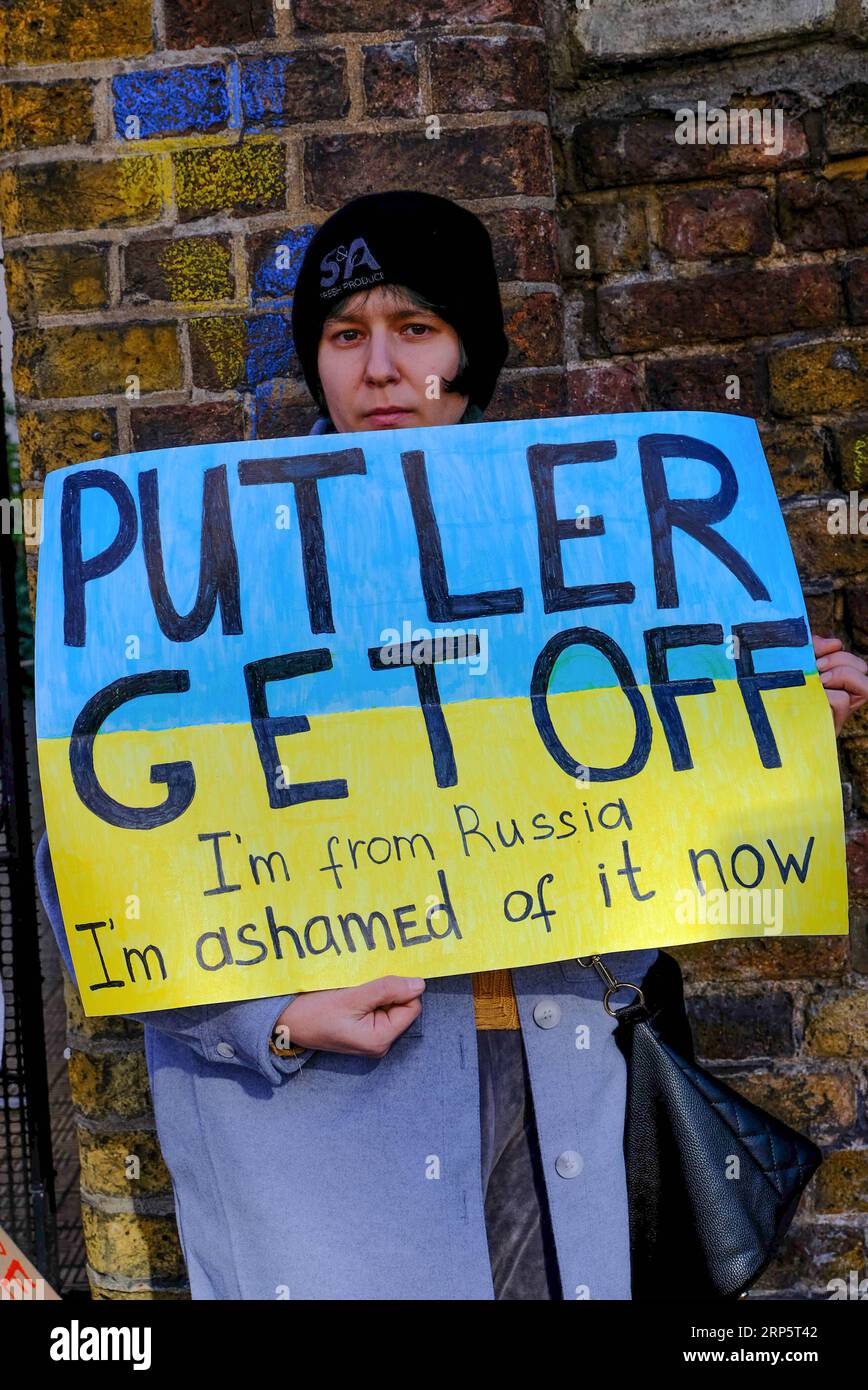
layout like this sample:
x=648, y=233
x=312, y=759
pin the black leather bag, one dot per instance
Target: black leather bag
x=713, y=1181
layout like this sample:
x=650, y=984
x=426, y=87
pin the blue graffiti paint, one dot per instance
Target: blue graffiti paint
x=270, y=350
x=171, y=101
x=263, y=91
x=234, y=83
x=277, y=271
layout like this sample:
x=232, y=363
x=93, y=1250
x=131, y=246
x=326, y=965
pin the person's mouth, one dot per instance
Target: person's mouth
x=388, y=415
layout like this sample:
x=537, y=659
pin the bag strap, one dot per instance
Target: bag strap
x=612, y=985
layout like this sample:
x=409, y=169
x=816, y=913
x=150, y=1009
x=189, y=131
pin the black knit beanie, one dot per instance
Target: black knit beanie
x=420, y=240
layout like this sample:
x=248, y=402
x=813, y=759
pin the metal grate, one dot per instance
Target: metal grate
x=27, y=1205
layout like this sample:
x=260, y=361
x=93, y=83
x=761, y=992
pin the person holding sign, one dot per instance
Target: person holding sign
x=459, y=1138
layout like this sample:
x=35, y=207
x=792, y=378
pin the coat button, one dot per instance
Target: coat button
x=569, y=1164
x=547, y=1013
x=225, y=1049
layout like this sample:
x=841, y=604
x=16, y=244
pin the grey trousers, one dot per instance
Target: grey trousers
x=520, y=1240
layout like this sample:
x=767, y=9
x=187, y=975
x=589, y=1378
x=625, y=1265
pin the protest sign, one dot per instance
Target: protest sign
x=422, y=702
x=19, y=1279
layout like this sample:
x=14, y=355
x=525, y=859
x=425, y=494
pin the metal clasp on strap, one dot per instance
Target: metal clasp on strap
x=612, y=984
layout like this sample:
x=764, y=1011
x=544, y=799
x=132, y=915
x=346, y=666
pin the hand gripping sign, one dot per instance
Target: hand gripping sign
x=427, y=701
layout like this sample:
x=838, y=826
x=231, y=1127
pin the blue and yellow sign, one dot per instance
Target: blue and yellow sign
x=423, y=702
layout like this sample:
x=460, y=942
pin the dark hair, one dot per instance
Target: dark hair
x=460, y=383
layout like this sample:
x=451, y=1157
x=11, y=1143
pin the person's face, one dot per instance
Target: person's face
x=381, y=365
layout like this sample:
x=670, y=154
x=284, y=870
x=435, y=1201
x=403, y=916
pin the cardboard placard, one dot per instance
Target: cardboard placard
x=421, y=702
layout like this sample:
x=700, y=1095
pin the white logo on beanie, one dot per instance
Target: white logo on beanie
x=358, y=255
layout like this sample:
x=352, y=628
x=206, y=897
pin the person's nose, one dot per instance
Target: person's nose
x=380, y=366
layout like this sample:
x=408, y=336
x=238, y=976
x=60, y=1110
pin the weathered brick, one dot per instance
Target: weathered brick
x=285, y=88
x=74, y=32
x=581, y=321
x=613, y=151
x=109, y=1084
x=857, y=861
x=176, y=426
x=821, y=611
x=534, y=327
x=859, y=937
x=820, y=552
x=707, y=383
x=810, y=1257
x=55, y=439
x=183, y=100
x=713, y=222
x=854, y=751
x=75, y=194
x=856, y=605
x=605, y=388
x=33, y=115
x=337, y=16
x=84, y=1031
x=178, y=270
x=817, y=214
x=618, y=30
x=274, y=260
x=31, y=565
x=851, y=448
x=106, y=1293
x=714, y=307
x=86, y=361
x=763, y=958
x=841, y=1185
x=796, y=455
x=524, y=243
x=732, y=1026
x=846, y=120
x=856, y=288
x=483, y=162
x=528, y=395
x=820, y=378
x=810, y=1102
x=837, y=1024
x=131, y=1245
x=279, y=413
x=236, y=179
x=218, y=349
x=213, y=23
x=615, y=234
x=856, y=728
x=390, y=77
x=488, y=74
x=230, y=352
x=56, y=280
x=106, y=1167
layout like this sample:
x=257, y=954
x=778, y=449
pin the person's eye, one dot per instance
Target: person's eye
x=425, y=328
x=341, y=335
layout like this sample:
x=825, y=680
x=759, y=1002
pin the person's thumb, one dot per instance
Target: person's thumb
x=391, y=989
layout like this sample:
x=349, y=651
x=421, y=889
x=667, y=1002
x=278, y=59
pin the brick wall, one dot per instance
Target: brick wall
x=164, y=167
